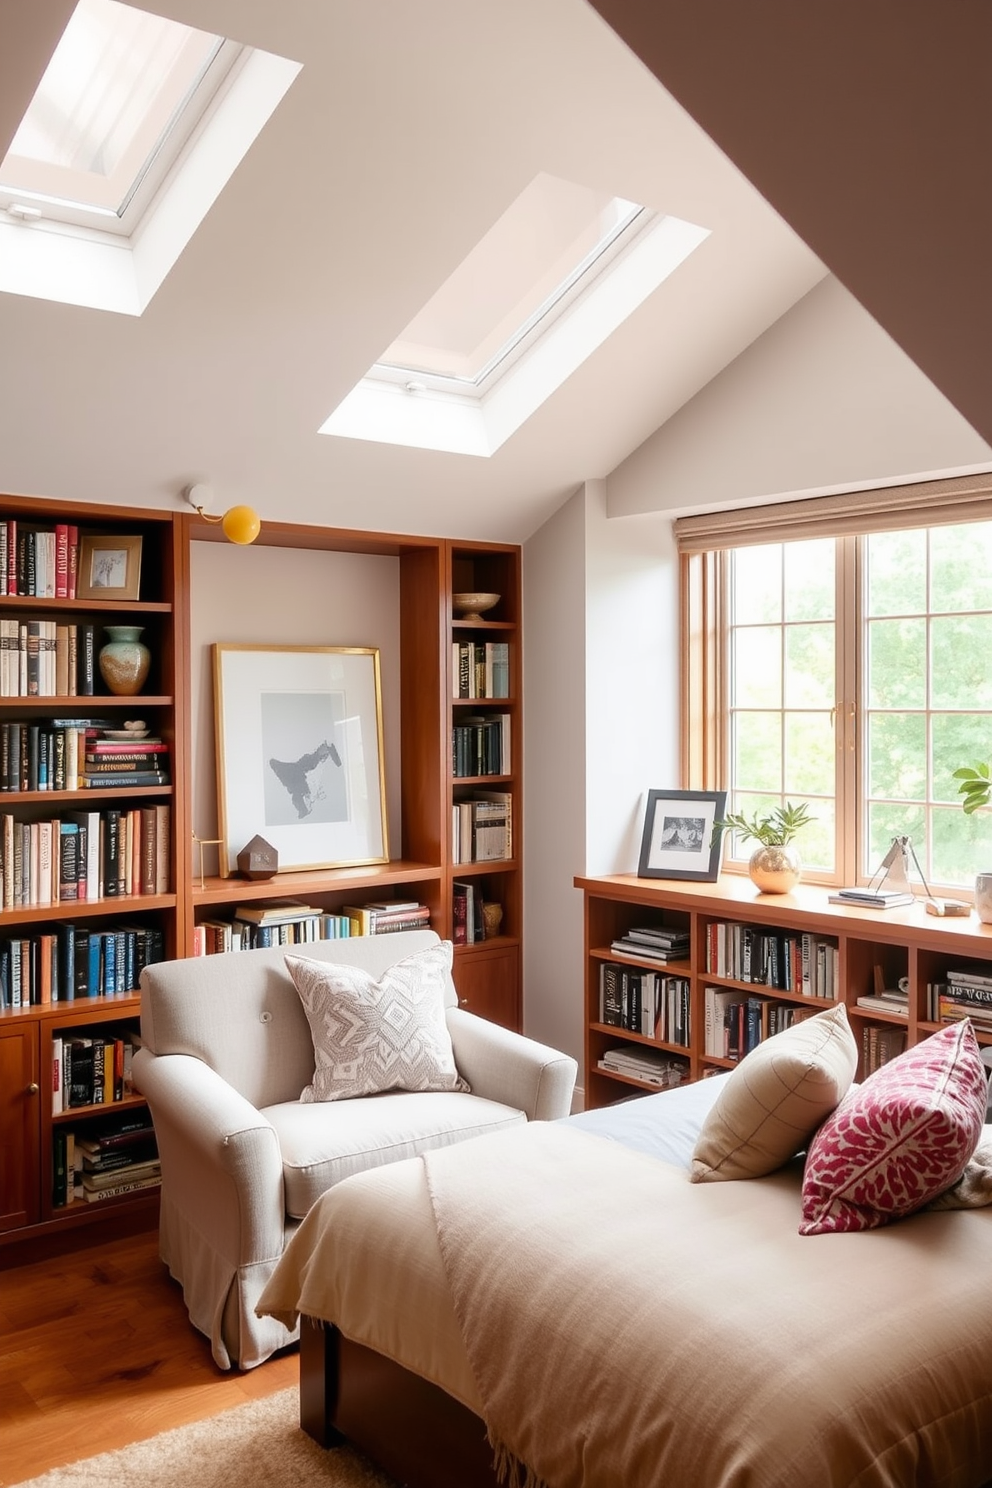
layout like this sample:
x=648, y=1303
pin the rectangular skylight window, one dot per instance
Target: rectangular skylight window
x=548, y=243
x=110, y=99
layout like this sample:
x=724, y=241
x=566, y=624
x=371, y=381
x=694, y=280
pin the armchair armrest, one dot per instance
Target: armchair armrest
x=504, y=1066
x=220, y=1157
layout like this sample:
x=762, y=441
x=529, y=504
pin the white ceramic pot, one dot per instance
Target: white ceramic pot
x=983, y=897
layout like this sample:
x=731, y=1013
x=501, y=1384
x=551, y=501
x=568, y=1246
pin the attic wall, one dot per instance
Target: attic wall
x=825, y=399
x=868, y=128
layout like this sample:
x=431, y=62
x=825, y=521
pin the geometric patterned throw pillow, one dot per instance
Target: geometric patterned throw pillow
x=371, y=1036
x=900, y=1139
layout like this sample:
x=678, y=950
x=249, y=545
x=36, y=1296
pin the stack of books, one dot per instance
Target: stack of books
x=967, y=993
x=123, y=762
x=646, y=1065
x=384, y=916
x=873, y=898
x=654, y=943
x=117, y=1160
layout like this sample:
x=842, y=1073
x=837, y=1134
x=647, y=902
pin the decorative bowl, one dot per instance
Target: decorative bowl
x=471, y=606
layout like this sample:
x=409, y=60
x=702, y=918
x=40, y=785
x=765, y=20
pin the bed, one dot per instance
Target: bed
x=559, y=1305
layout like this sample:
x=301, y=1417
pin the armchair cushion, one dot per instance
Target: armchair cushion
x=323, y=1143
x=369, y=1035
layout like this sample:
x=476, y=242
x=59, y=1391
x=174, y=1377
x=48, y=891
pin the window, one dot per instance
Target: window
x=556, y=274
x=136, y=126
x=846, y=669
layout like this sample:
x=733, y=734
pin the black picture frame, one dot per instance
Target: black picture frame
x=681, y=838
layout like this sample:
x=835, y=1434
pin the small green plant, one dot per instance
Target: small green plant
x=774, y=829
x=975, y=785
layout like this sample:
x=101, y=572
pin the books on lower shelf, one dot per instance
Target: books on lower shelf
x=879, y=1044
x=92, y=1069
x=104, y=1161
x=482, y=828
x=649, y=1066
x=73, y=961
x=645, y=1002
x=289, y=922
x=733, y=1025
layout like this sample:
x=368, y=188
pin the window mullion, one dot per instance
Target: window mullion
x=850, y=710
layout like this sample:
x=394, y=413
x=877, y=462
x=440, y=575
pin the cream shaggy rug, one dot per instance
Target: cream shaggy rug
x=259, y=1445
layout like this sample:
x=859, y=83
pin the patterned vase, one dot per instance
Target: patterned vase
x=124, y=660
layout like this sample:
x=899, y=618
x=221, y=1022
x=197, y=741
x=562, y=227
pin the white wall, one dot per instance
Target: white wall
x=823, y=400
x=286, y=596
x=600, y=729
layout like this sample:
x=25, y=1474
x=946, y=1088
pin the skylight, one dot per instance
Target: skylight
x=555, y=275
x=134, y=129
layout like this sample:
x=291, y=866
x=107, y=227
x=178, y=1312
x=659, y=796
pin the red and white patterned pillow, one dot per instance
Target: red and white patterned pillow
x=898, y=1140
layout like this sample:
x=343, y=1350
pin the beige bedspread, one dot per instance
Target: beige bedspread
x=617, y=1325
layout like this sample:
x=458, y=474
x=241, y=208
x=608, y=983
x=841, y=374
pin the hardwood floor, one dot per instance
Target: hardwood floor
x=96, y=1351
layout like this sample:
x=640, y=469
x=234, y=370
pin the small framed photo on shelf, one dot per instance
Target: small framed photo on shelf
x=680, y=837
x=109, y=567
x=299, y=754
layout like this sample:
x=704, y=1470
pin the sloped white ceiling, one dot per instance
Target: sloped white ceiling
x=408, y=131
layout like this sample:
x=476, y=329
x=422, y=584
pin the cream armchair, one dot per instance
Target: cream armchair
x=226, y=1052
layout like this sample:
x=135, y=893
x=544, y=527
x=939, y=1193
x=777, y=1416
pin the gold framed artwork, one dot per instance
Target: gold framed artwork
x=109, y=567
x=300, y=755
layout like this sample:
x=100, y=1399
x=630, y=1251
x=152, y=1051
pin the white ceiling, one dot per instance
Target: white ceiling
x=407, y=133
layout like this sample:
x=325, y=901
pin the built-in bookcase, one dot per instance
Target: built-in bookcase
x=43, y=917
x=422, y=867
x=755, y=963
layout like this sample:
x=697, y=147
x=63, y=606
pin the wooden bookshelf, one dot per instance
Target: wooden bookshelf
x=871, y=946
x=487, y=973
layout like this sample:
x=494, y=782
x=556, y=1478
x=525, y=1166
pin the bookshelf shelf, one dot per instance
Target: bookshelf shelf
x=871, y=946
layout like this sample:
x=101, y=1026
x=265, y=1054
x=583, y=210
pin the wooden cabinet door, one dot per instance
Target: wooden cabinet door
x=488, y=984
x=20, y=1125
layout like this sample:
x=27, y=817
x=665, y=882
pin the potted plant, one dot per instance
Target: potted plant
x=975, y=786
x=775, y=865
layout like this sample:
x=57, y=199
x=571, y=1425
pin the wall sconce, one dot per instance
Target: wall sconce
x=240, y=524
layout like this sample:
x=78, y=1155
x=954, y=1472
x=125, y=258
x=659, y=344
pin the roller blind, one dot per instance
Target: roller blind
x=889, y=508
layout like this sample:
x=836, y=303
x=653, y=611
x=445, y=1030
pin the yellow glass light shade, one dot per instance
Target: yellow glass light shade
x=241, y=525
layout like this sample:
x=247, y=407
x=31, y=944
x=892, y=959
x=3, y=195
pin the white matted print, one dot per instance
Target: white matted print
x=299, y=754
x=681, y=837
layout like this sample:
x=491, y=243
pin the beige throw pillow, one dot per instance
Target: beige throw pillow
x=370, y=1036
x=776, y=1099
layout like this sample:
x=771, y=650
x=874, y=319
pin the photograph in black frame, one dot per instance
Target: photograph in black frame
x=680, y=838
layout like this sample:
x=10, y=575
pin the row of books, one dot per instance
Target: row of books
x=646, y=1065
x=645, y=1002
x=481, y=746
x=482, y=828
x=468, y=924
x=91, y=855
x=480, y=670
x=290, y=922
x=733, y=1026
x=47, y=658
x=879, y=1044
x=790, y=961
x=72, y=962
x=42, y=562
x=69, y=754
x=95, y=1163
x=92, y=1069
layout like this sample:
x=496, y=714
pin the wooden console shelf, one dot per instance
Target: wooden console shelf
x=865, y=950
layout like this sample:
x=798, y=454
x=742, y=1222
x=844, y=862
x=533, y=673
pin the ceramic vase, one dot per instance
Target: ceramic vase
x=124, y=660
x=775, y=870
x=492, y=918
x=983, y=897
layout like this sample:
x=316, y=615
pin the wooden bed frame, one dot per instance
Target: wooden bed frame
x=412, y=1429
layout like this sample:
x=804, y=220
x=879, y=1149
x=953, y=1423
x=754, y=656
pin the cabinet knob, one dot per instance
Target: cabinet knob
x=33, y=1088
x=463, y=1002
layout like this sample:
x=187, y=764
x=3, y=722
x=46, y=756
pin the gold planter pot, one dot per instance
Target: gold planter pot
x=775, y=870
